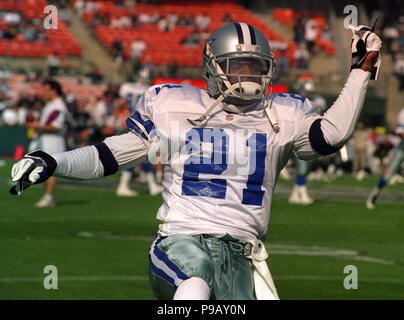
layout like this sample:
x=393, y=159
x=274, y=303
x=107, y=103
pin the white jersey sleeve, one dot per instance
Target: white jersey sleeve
x=324, y=135
x=400, y=123
x=140, y=122
x=94, y=162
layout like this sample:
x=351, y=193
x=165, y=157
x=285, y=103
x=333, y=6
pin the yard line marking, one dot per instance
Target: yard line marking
x=273, y=248
x=143, y=278
x=78, y=278
x=325, y=278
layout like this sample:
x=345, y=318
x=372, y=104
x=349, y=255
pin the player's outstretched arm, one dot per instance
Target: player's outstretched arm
x=87, y=163
x=332, y=131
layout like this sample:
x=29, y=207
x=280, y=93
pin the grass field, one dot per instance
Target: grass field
x=99, y=243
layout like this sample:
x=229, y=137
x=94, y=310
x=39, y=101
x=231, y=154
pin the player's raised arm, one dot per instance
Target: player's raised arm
x=87, y=163
x=329, y=133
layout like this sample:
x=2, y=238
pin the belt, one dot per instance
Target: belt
x=236, y=246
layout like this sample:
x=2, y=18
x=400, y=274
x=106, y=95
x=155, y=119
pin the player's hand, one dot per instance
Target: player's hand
x=35, y=167
x=366, y=47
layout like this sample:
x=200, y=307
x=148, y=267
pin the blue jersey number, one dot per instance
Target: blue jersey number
x=216, y=164
x=196, y=164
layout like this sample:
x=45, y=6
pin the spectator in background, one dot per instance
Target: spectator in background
x=191, y=40
x=154, y=18
x=390, y=34
x=326, y=34
x=95, y=76
x=202, y=22
x=64, y=14
x=12, y=18
x=227, y=19
x=137, y=48
x=79, y=7
x=172, y=69
x=81, y=124
x=121, y=22
x=53, y=62
x=147, y=68
x=310, y=34
x=298, y=29
x=165, y=25
x=302, y=56
x=143, y=18
x=117, y=51
x=172, y=19
x=398, y=69
x=360, y=141
x=282, y=63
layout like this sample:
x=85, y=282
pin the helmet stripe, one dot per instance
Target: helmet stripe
x=252, y=34
x=246, y=33
x=239, y=33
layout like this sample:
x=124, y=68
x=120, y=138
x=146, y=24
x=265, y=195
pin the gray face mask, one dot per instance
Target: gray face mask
x=238, y=67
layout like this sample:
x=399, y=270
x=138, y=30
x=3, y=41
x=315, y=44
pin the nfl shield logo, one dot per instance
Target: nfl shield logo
x=229, y=117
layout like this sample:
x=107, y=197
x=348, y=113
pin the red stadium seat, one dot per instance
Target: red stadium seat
x=14, y=49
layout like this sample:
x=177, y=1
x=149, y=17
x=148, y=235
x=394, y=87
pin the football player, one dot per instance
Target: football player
x=223, y=149
x=393, y=165
x=131, y=93
x=299, y=193
x=50, y=131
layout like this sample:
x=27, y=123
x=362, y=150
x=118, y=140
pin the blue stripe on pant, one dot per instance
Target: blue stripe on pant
x=161, y=265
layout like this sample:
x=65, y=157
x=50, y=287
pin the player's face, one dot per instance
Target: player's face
x=245, y=66
x=46, y=92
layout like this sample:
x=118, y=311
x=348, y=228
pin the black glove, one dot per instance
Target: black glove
x=35, y=167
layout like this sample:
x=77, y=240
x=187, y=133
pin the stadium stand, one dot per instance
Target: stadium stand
x=288, y=17
x=163, y=52
x=22, y=33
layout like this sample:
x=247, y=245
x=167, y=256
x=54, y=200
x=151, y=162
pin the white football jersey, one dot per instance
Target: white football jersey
x=54, y=113
x=220, y=177
x=400, y=123
x=131, y=92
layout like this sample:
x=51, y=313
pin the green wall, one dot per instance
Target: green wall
x=12, y=136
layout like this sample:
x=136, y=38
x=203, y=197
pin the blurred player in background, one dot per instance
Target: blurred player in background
x=393, y=166
x=299, y=195
x=50, y=130
x=215, y=214
x=131, y=93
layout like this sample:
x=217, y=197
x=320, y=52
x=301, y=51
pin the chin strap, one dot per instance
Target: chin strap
x=274, y=123
x=201, y=119
x=272, y=120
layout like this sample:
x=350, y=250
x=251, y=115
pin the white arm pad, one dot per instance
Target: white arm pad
x=82, y=163
x=127, y=150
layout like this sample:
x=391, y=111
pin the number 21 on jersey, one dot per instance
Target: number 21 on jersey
x=216, y=163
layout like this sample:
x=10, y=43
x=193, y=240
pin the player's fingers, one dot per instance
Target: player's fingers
x=372, y=41
x=35, y=174
x=20, y=168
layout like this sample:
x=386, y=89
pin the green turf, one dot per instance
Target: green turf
x=305, y=245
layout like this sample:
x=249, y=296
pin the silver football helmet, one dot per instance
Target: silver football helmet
x=237, y=41
x=236, y=44
x=306, y=87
